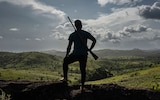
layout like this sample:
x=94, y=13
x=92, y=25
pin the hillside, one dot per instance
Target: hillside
x=46, y=67
x=147, y=78
x=27, y=60
x=23, y=66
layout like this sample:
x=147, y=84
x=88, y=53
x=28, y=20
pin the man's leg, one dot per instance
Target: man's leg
x=66, y=62
x=65, y=69
x=83, y=61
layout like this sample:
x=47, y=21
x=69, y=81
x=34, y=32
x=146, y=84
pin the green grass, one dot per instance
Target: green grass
x=31, y=75
x=149, y=78
x=36, y=75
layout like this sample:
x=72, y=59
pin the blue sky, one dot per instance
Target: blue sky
x=38, y=25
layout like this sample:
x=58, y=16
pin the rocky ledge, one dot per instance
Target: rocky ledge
x=25, y=90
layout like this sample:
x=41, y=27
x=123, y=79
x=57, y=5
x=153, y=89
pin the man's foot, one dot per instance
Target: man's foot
x=82, y=88
x=64, y=80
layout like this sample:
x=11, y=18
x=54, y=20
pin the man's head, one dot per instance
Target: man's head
x=78, y=24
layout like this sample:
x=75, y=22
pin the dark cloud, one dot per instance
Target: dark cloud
x=152, y=12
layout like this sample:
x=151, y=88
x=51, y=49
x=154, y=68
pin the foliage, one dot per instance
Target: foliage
x=28, y=60
x=99, y=73
x=4, y=96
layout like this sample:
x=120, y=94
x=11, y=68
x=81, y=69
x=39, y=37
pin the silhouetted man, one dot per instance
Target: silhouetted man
x=80, y=51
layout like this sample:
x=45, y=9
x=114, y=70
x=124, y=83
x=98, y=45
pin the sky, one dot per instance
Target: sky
x=39, y=25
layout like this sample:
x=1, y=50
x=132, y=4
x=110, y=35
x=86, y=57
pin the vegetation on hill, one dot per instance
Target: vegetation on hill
x=34, y=66
x=28, y=60
x=112, y=64
x=148, y=78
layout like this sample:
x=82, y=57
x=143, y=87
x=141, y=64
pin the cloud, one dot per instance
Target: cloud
x=27, y=39
x=38, y=39
x=1, y=37
x=116, y=20
x=156, y=37
x=14, y=29
x=119, y=2
x=127, y=31
x=60, y=36
x=150, y=12
x=41, y=8
x=107, y=28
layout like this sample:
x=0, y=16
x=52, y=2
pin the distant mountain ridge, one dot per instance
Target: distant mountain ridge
x=9, y=59
x=119, y=53
x=113, y=53
x=55, y=52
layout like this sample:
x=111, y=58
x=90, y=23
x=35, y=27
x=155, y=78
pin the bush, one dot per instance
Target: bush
x=98, y=74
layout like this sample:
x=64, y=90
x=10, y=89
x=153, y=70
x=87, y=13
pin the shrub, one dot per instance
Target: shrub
x=99, y=73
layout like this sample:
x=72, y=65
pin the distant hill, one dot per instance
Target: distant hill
x=52, y=57
x=55, y=52
x=27, y=59
x=107, y=53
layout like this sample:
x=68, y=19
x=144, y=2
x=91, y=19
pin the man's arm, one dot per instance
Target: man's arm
x=92, y=46
x=69, y=48
x=93, y=42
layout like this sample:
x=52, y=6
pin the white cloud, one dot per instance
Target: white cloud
x=107, y=28
x=113, y=22
x=38, y=39
x=27, y=39
x=116, y=20
x=14, y=29
x=127, y=31
x=119, y=2
x=59, y=36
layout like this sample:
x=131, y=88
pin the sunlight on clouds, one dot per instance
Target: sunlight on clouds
x=116, y=20
x=108, y=27
x=119, y=2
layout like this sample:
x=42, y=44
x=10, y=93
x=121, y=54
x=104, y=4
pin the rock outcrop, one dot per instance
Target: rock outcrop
x=25, y=90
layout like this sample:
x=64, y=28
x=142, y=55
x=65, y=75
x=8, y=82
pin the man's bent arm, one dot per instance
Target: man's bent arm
x=93, y=43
